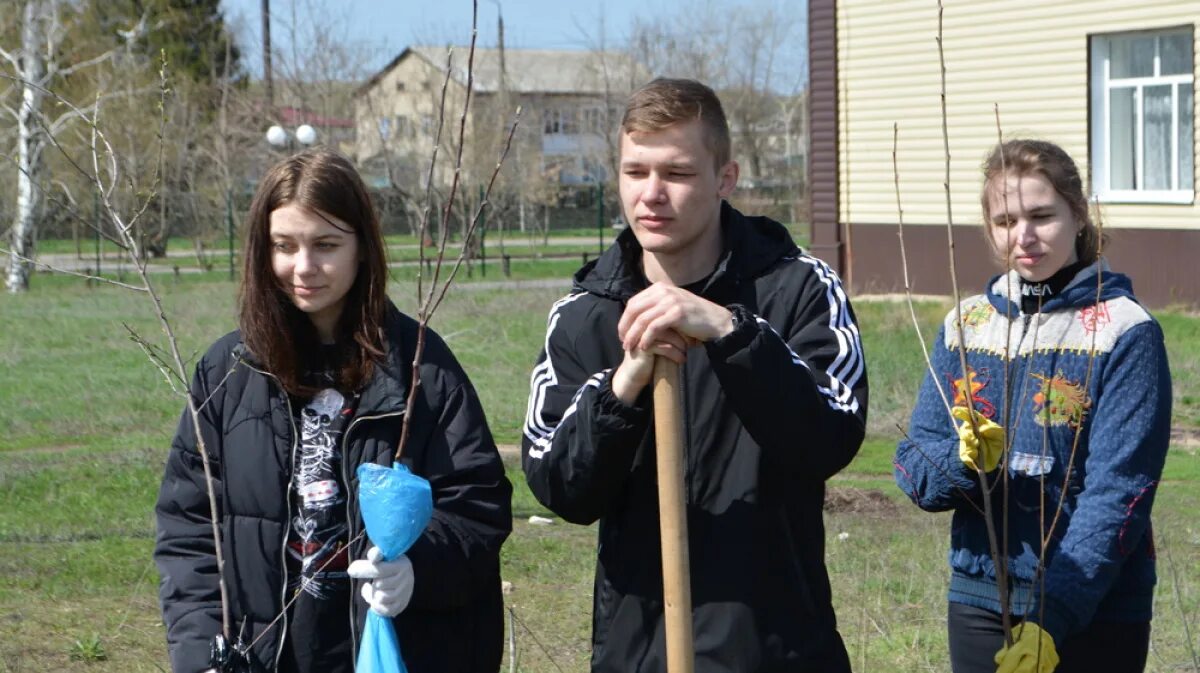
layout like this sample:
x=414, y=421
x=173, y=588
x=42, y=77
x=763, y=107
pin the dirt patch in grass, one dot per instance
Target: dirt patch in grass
x=510, y=453
x=1188, y=438
x=838, y=499
x=859, y=501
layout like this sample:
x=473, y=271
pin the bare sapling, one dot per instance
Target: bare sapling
x=985, y=486
x=431, y=298
x=908, y=296
x=916, y=323
x=998, y=542
x=119, y=225
x=105, y=176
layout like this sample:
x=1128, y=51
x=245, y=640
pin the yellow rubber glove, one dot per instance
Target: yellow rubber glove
x=1024, y=655
x=990, y=440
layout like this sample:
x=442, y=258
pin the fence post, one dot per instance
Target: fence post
x=600, y=218
x=229, y=225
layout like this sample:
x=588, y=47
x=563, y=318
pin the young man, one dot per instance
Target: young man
x=774, y=403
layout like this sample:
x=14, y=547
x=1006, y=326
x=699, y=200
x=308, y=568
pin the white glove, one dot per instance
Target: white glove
x=391, y=585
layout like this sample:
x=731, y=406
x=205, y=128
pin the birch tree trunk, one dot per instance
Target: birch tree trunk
x=29, y=147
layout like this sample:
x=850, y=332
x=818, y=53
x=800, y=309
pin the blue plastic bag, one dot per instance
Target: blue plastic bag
x=396, y=506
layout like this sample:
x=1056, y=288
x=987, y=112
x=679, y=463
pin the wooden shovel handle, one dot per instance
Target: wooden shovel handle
x=677, y=588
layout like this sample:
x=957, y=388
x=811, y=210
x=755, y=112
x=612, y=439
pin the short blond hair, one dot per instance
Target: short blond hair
x=665, y=102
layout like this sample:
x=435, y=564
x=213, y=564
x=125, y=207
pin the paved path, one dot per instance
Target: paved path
x=517, y=248
x=71, y=264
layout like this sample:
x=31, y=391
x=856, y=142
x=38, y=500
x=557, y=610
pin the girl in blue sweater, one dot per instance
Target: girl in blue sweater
x=1063, y=412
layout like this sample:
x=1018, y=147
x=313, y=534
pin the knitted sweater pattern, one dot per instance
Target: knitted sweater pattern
x=1083, y=391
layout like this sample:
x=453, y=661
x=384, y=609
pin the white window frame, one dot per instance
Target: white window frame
x=551, y=122
x=1102, y=86
x=560, y=121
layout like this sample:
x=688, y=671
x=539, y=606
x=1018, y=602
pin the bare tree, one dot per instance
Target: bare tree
x=36, y=64
x=761, y=74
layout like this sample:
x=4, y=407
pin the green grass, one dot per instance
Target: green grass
x=1183, y=349
x=86, y=421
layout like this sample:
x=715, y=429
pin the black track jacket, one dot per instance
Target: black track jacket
x=770, y=412
x=455, y=619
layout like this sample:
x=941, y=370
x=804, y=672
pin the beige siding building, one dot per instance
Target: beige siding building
x=1112, y=82
x=569, y=102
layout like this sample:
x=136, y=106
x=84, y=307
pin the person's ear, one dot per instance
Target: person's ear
x=727, y=178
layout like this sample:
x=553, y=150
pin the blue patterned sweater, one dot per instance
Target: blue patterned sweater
x=1101, y=431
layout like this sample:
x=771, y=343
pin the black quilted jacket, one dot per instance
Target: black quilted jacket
x=455, y=619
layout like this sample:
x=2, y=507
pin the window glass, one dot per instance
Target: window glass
x=1187, y=143
x=1144, y=102
x=1122, y=138
x=1175, y=54
x=1156, y=136
x=570, y=124
x=1131, y=56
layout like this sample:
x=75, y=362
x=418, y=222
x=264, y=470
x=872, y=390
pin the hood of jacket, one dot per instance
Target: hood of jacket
x=1095, y=283
x=750, y=246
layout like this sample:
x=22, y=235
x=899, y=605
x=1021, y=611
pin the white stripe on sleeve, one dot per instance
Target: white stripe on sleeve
x=538, y=429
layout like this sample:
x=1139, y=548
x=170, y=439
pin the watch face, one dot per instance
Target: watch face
x=739, y=315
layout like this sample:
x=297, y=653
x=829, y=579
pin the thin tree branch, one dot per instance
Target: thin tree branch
x=12, y=60
x=95, y=60
x=423, y=312
x=1183, y=616
x=68, y=208
x=48, y=267
x=907, y=286
x=437, y=143
x=966, y=496
x=267, y=629
x=999, y=561
x=152, y=353
x=478, y=212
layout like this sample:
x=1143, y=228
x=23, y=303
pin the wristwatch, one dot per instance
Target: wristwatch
x=741, y=316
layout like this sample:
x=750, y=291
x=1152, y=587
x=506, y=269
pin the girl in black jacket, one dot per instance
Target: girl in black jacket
x=314, y=384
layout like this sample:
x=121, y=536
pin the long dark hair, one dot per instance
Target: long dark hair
x=278, y=333
x=1023, y=156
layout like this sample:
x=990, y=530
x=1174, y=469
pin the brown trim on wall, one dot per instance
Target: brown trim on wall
x=1161, y=262
x=826, y=238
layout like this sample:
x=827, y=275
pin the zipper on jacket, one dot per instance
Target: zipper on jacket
x=288, y=521
x=350, y=521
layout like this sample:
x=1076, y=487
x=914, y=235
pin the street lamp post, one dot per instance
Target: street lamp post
x=279, y=137
x=304, y=134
